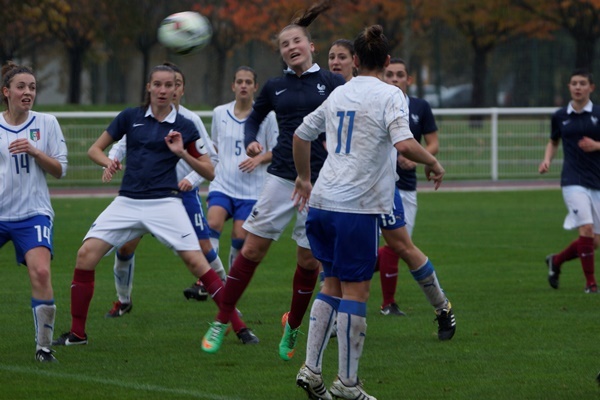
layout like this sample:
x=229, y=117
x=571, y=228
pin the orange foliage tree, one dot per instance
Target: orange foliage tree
x=581, y=18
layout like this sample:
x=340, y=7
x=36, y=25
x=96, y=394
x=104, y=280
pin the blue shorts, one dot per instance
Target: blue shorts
x=193, y=206
x=238, y=209
x=27, y=234
x=345, y=243
x=394, y=220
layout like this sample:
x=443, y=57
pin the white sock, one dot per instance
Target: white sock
x=43, y=319
x=123, y=271
x=352, y=328
x=233, y=253
x=217, y=266
x=215, y=244
x=323, y=314
x=427, y=279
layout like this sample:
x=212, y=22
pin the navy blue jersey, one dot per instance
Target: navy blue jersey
x=421, y=123
x=292, y=97
x=579, y=168
x=150, y=172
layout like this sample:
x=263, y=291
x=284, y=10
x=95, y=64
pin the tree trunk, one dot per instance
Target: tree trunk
x=75, y=68
x=584, y=57
x=479, y=77
x=145, y=70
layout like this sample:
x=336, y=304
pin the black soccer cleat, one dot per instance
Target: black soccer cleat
x=45, y=355
x=246, y=336
x=446, y=323
x=197, y=292
x=553, y=271
x=69, y=339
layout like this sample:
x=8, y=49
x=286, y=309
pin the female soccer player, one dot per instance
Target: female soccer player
x=341, y=58
x=148, y=202
x=238, y=178
x=301, y=89
x=31, y=145
x=577, y=125
x=364, y=120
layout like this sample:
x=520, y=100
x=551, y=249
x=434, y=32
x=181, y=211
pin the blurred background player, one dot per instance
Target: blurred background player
x=238, y=178
x=578, y=126
x=340, y=58
x=423, y=126
x=148, y=201
x=301, y=89
x=365, y=119
x=31, y=145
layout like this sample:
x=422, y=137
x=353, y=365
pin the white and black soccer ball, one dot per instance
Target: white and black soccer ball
x=185, y=32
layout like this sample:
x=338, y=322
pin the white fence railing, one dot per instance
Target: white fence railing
x=475, y=143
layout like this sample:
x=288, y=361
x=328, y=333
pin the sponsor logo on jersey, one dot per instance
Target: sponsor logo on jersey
x=34, y=134
x=321, y=88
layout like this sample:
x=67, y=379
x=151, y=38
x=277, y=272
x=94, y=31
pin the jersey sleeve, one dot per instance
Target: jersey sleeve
x=261, y=108
x=313, y=124
x=427, y=119
x=57, y=147
x=396, y=117
x=120, y=125
x=555, y=133
x=271, y=131
x=118, y=149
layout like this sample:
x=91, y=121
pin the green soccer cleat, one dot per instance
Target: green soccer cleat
x=213, y=339
x=287, y=346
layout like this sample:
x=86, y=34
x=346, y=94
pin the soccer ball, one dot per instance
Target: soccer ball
x=185, y=32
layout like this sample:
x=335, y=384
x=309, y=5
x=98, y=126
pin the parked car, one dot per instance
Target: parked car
x=457, y=96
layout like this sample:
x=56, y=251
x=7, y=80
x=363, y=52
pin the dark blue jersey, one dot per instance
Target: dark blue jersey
x=292, y=97
x=421, y=123
x=150, y=172
x=579, y=168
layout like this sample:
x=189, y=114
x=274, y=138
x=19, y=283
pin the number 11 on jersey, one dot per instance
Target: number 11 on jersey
x=342, y=115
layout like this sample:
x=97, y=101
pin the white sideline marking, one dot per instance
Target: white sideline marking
x=135, y=386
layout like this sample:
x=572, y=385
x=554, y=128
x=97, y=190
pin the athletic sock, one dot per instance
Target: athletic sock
x=586, y=256
x=214, y=286
x=352, y=329
x=123, y=271
x=569, y=253
x=303, y=287
x=427, y=279
x=238, y=279
x=234, y=250
x=214, y=239
x=82, y=291
x=216, y=264
x=323, y=314
x=44, y=312
x=388, y=273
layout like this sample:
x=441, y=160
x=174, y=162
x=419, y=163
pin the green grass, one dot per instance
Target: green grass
x=516, y=339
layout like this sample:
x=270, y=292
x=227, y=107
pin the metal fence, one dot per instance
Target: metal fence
x=475, y=144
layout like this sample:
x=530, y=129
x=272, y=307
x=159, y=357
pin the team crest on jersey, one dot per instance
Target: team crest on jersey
x=415, y=118
x=321, y=88
x=34, y=134
x=594, y=120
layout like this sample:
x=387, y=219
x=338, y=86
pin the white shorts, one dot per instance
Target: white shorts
x=409, y=202
x=126, y=219
x=274, y=210
x=583, y=205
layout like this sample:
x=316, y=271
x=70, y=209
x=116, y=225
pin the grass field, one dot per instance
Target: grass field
x=516, y=337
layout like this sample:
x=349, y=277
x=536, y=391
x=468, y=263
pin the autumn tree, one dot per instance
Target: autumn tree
x=81, y=27
x=581, y=18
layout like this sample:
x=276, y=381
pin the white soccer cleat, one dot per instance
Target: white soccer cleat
x=312, y=383
x=340, y=391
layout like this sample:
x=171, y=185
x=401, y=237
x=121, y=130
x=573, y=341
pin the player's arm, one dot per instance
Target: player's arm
x=413, y=150
x=303, y=186
x=96, y=154
x=47, y=163
x=588, y=144
x=191, y=154
x=432, y=143
x=549, y=153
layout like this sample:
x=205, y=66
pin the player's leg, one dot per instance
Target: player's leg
x=240, y=212
x=123, y=270
x=219, y=211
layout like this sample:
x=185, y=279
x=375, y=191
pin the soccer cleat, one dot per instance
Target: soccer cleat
x=197, y=291
x=392, y=309
x=213, y=339
x=312, y=384
x=246, y=336
x=287, y=345
x=553, y=272
x=446, y=322
x=45, y=355
x=119, y=309
x=69, y=339
x=591, y=288
x=340, y=391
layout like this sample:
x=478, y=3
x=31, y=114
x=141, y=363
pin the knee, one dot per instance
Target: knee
x=40, y=276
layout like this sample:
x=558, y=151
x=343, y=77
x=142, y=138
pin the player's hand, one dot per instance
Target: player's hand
x=544, y=167
x=112, y=168
x=588, y=144
x=435, y=173
x=249, y=164
x=301, y=194
x=185, y=185
x=174, y=141
x=254, y=149
x=22, y=145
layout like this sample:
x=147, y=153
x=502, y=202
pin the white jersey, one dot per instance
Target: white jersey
x=362, y=119
x=119, y=149
x=227, y=133
x=22, y=181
